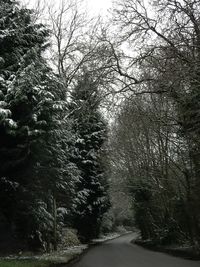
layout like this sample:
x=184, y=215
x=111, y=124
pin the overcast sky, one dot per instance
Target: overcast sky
x=95, y=7
x=98, y=6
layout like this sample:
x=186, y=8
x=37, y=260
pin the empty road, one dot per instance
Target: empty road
x=121, y=253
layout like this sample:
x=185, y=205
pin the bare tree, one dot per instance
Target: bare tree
x=163, y=41
x=151, y=161
x=76, y=45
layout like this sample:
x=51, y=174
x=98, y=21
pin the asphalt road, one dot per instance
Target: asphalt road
x=121, y=253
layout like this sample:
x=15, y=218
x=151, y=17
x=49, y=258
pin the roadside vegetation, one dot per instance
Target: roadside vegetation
x=155, y=138
x=24, y=263
x=99, y=124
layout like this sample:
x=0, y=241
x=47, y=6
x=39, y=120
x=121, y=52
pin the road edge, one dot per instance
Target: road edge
x=189, y=255
x=85, y=251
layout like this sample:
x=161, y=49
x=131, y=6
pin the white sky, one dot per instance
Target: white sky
x=94, y=7
x=98, y=6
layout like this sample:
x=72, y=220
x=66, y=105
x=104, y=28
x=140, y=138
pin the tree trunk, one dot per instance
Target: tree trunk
x=55, y=243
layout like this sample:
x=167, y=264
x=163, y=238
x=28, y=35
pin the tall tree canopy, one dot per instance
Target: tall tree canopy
x=27, y=111
x=92, y=197
x=163, y=58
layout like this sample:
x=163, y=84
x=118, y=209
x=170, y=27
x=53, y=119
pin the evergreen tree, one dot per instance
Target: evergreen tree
x=26, y=101
x=21, y=44
x=56, y=174
x=92, y=200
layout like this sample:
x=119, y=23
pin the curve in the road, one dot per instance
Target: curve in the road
x=121, y=253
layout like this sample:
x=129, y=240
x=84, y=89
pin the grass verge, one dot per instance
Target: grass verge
x=58, y=258
x=23, y=263
x=182, y=252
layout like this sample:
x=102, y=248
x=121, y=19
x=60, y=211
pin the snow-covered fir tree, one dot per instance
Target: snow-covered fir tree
x=24, y=97
x=56, y=173
x=92, y=200
x=34, y=144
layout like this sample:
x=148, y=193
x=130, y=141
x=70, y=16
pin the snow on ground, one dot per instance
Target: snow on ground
x=107, y=237
x=62, y=256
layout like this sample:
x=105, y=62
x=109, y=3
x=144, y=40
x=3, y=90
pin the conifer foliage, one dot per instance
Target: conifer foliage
x=92, y=200
x=26, y=112
x=46, y=172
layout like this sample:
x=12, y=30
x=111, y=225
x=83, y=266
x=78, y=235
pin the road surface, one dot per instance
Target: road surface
x=121, y=253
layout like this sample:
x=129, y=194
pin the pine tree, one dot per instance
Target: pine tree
x=36, y=176
x=92, y=200
x=21, y=76
x=57, y=175
x=26, y=101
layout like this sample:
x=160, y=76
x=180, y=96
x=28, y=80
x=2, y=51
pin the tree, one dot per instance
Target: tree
x=21, y=44
x=92, y=196
x=151, y=160
x=165, y=37
x=77, y=43
x=31, y=158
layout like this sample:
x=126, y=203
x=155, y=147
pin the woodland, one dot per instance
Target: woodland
x=99, y=122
